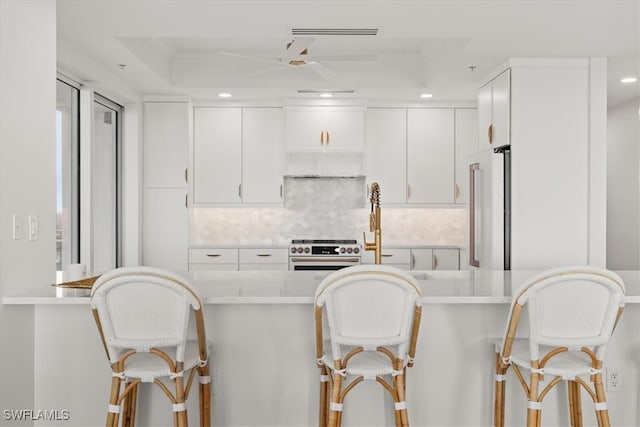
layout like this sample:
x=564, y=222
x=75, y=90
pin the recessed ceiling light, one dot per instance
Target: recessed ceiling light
x=224, y=95
x=426, y=95
x=629, y=80
x=326, y=95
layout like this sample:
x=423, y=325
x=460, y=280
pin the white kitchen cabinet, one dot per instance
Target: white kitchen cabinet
x=430, y=156
x=165, y=228
x=322, y=128
x=494, y=112
x=262, y=155
x=386, y=152
x=264, y=259
x=395, y=257
x=217, y=155
x=435, y=259
x=166, y=144
x=466, y=145
x=202, y=259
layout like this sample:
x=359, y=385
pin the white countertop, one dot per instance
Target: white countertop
x=290, y=287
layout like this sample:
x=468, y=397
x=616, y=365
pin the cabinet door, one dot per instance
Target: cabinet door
x=485, y=111
x=422, y=259
x=446, y=259
x=344, y=127
x=217, y=151
x=430, y=156
x=386, y=153
x=304, y=127
x=166, y=144
x=466, y=145
x=262, y=155
x=165, y=230
x=501, y=109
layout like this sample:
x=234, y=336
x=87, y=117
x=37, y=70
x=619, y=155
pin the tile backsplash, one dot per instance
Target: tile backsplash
x=325, y=208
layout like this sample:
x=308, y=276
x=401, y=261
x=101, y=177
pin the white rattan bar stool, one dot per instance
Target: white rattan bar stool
x=143, y=316
x=367, y=322
x=572, y=312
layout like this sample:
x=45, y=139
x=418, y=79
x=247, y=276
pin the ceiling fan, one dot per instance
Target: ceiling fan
x=295, y=55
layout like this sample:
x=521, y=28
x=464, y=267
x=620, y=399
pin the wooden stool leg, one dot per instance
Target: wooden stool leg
x=205, y=395
x=533, y=414
x=112, y=418
x=603, y=414
x=575, y=403
x=324, y=397
x=335, y=399
x=499, y=393
x=129, y=407
x=404, y=417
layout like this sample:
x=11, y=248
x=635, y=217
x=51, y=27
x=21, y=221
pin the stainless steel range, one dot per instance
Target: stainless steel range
x=324, y=254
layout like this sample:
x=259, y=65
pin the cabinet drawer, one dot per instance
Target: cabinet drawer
x=264, y=256
x=389, y=256
x=213, y=256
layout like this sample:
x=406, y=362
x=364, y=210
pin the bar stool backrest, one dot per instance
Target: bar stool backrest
x=571, y=307
x=143, y=307
x=369, y=306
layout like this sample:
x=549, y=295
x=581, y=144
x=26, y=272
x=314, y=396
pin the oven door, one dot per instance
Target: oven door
x=321, y=263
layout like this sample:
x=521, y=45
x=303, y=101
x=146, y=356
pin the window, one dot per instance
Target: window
x=106, y=184
x=67, y=176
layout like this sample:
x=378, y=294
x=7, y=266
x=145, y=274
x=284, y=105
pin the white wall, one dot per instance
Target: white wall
x=27, y=179
x=623, y=187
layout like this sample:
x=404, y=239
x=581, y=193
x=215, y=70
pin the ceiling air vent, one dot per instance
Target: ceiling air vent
x=334, y=31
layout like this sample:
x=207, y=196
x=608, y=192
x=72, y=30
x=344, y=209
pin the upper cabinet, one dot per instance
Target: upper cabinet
x=387, y=152
x=430, y=156
x=466, y=145
x=166, y=144
x=237, y=155
x=322, y=128
x=493, y=112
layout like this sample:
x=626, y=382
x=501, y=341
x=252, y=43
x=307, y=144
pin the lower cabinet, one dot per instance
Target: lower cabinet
x=202, y=259
x=165, y=236
x=435, y=259
x=418, y=258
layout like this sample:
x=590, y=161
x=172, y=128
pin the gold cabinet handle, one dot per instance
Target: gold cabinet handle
x=457, y=192
x=408, y=191
x=240, y=190
x=413, y=261
x=213, y=255
x=435, y=262
x=186, y=200
x=328, y=138
x=264, y=255
x=281, y=191
x=490, y=134
x=186, y=175
x=321, y=137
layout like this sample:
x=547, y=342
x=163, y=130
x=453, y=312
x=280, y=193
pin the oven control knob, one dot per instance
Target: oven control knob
x=349, y=250
x=356, y=250
x=342, y=250
x=307, y=250
x=293, y=250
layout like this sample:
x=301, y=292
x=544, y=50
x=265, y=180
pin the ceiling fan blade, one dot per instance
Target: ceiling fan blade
x=296, y=47
x=321, y=70
x=279, y=67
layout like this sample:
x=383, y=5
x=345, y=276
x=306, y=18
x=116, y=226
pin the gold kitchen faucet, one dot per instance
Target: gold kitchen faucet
x=374, y=224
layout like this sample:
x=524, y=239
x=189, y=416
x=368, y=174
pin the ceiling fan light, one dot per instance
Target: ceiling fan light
x=629, y=80
x=224, y=95
x=326, y=95
x=426, y=95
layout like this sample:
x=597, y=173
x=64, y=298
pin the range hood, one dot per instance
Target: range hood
x=324, y=165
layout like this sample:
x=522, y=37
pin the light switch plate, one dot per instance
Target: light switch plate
x=17, y=227
x=34, y=233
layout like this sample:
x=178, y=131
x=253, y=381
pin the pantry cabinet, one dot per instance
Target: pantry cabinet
x=322, y=128
x=237, y=155
x=494, y=112
x=430, y=156
x=166, y=135
x=386, y=153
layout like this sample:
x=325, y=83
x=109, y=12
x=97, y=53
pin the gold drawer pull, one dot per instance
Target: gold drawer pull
x=490, y=134
x=213, y=255
x=264, y=255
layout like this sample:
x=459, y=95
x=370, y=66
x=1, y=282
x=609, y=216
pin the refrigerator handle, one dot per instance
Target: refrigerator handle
x=472, y=215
